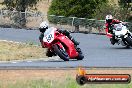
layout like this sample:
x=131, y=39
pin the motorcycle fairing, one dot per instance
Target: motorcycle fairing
x=123, y=30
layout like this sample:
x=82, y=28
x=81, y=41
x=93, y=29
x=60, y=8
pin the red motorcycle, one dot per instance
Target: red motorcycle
x=61, y=45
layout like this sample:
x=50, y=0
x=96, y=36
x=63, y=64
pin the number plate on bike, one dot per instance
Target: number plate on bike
x=48, y=36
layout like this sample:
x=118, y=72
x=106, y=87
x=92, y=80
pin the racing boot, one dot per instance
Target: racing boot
x=79, y=50
x=67, y=33
x=74, y=41
x=49, y=53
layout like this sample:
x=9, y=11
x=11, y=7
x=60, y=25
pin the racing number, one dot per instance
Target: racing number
x=49, y=37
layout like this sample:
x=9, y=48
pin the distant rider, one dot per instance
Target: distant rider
x=44, y=26
x=108, y=27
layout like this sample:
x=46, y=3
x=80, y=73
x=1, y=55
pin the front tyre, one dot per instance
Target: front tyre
x=61, y=53
x=129, y=40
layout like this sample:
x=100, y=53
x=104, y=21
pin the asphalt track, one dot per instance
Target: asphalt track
x=97, y=50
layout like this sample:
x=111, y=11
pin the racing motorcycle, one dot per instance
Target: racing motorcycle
x=61, y=45
x=122, y=35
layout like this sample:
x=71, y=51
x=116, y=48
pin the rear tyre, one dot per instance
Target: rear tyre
x=80, y=54
x=128, y=47
x=129, y=40
x=61, y=53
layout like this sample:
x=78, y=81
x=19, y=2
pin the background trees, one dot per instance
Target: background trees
x=20, y=6
x=96, y=9
x=77, y=8
x=92, y=9
x=127, y=6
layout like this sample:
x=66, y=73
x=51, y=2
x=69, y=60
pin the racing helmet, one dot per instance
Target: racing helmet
x=43, y=26
x=109, y=18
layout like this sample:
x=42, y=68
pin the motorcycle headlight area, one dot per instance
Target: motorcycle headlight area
x=118, y=29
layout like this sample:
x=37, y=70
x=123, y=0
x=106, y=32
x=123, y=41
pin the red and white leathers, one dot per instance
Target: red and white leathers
x=107, y=25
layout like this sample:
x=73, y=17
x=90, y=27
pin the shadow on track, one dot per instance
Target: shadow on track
x=62, y=61
x=121, y=48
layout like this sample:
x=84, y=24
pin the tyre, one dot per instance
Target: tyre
x=80, y=54
x=112, y=41
x=129, y=40
x=128, y=47
x=80, y=57
x=61, y=53
x=81, y=80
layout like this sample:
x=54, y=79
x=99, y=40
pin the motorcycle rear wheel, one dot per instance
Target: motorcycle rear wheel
x=61, y=53
x=80, y=54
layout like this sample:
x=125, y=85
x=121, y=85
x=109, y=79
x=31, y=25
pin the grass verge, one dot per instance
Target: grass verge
x=18, y=51
x=65, y=83
x=53, y=79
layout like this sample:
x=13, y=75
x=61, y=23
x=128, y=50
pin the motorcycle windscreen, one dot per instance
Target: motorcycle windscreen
x=118, y=27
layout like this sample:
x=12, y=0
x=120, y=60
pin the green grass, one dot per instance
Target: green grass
x=66, y=83
x=18, y=51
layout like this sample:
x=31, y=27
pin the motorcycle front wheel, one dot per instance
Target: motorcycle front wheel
x=61, y=53
x=129, y=40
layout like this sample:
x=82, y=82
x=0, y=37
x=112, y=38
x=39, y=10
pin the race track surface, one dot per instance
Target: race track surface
x=97, y=50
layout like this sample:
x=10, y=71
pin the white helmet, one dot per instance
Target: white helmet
x=43, y=26
x=109, y=18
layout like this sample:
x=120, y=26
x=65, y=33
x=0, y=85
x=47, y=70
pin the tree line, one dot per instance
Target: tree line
x=77, y=8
